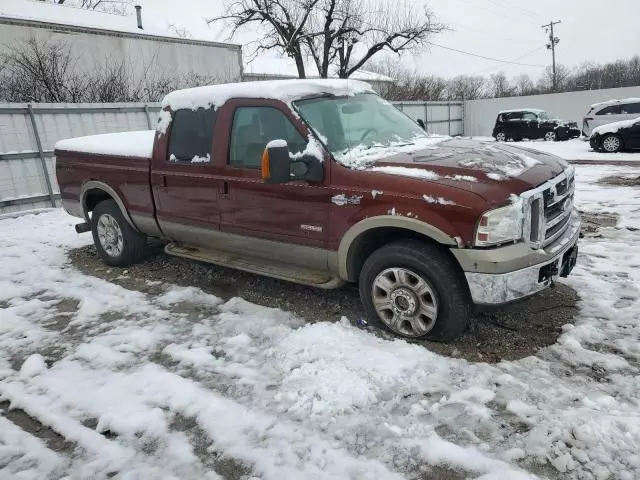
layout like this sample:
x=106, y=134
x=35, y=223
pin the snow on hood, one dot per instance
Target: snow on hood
x=285, y=90
x=614, y=127
x=511, y=164
x=124, y=144
x=362, y=156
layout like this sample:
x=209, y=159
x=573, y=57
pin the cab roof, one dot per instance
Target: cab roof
x=284, y=90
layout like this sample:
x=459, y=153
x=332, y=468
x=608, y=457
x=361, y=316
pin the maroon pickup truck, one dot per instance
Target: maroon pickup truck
x=322, y=182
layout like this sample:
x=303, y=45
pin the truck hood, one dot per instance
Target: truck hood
x=489, y=169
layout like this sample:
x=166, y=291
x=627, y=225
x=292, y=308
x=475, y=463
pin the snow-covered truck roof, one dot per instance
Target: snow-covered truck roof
x=285, y=90
x=614, y=102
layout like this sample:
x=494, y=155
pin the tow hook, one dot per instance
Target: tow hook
x=548, y=272
x=82, y=227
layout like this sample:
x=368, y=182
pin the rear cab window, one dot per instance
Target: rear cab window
x=191, y=136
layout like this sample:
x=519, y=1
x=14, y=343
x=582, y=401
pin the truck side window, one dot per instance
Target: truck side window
x=253, y=128
x=191, y=135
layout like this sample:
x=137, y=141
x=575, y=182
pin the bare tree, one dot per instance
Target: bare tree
x=343, y=33
x=499, y=86
x=466, y=87
x=409, y=84
x=349, y=33
x=179, y=31
x=524, y=85
x=283, y=21
x=41, y=72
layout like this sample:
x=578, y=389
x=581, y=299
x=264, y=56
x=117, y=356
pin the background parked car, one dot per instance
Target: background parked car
x=532, y=123
x=614, y=137
x=610, y=112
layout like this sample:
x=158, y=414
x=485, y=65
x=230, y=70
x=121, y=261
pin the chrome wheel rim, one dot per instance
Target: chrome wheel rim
x=501, y=137
x=611, y=144
x=110, y=235
x=550, y=136
x=405, y=301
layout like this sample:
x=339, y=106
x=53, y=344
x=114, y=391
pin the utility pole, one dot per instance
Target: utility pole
x=553, y=41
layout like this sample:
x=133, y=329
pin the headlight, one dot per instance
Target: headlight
x=500, y=225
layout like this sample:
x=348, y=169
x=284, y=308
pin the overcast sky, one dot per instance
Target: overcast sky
x=591, y=30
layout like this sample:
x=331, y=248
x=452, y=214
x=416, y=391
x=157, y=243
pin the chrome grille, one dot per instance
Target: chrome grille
x=550, y=206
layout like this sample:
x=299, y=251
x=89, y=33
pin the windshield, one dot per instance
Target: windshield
x=361, y=122
x=544, y=116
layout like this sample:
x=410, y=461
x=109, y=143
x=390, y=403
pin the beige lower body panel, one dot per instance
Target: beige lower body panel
x=260, y=266
x=286, y=261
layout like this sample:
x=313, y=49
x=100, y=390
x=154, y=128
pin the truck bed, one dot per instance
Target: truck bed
x=121, y=161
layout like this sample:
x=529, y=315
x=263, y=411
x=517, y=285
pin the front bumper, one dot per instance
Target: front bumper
x=542, y=267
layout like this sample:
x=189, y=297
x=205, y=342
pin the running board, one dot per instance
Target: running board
x=259, y=266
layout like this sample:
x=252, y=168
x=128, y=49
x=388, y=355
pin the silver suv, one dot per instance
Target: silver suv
x=609, y=112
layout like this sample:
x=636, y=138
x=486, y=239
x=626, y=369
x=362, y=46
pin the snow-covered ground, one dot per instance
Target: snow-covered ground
x=142, y=389
x=575, y=149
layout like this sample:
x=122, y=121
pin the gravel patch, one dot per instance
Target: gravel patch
x=508, y=333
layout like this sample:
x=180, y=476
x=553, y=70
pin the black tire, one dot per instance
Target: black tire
x=134, y=243
x=611, y=136
x=500, y=134
x=440, y=272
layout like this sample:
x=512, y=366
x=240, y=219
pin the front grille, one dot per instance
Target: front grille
x=550, y=207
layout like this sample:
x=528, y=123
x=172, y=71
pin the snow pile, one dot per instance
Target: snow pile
x=123, y=144
x=614, y=127
x=285, y=90
x=143, y=389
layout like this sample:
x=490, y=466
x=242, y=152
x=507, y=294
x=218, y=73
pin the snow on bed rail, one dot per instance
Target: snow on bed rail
x=123, y=144
x=614, y=127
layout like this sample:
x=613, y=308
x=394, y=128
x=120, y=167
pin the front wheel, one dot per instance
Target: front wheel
x=611, y=143
x=117, y=243
x=550, y=137
x=415, y=290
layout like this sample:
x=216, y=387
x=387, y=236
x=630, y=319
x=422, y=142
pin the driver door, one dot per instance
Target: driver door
x=295, y=212
x=531, y=126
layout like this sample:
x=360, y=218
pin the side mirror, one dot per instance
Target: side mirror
x=279, y=166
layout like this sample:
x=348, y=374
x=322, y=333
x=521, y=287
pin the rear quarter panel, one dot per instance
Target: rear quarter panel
x=127, y=176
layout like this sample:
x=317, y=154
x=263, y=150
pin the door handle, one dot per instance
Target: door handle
x=224, y=189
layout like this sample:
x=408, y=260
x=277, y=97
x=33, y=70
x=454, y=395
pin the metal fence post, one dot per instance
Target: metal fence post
x=449, y=116
x=146, y=113
x=464, y=114
x=43, y=161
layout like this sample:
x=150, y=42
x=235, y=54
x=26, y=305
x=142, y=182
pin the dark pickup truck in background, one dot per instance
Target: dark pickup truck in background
x=324, y=182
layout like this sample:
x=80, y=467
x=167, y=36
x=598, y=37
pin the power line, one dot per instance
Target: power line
x=488, y=34
x=486, y=58
x=495, y=12
x=484, y=70
x=526, y=12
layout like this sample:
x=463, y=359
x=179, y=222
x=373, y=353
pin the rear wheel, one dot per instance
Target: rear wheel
x=501, y=137
x=550, y=137
x=413, y=289
x=611, y=143
x=117, y=243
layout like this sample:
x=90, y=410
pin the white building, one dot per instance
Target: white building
x=95, y=38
